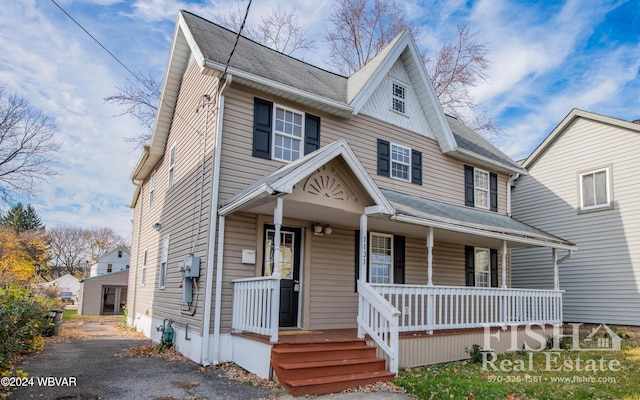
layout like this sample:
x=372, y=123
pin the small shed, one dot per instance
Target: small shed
x=103, y=294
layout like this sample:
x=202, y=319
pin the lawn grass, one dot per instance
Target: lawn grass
x=468, y=380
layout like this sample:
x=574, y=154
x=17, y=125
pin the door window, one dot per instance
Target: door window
x=286, y=254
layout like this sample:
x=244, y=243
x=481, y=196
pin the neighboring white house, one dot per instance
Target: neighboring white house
x=583, y=186
x=113, y=261
x=65, y=283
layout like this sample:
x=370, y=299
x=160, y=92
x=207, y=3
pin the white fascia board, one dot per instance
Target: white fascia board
x=342, y=107
x=231, y=207
x=485, y=233
x=195, y=50
x=486, y=160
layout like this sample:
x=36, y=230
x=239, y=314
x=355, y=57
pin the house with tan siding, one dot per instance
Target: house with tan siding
x=582, y=186
x=323, y=228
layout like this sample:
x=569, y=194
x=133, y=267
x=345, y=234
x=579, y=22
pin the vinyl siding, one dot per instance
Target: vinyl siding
x=601, y=279
x=91, y=291
x=442, y=176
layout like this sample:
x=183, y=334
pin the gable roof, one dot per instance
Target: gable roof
x=566, y=122
x=284, y=178
x=265, y=69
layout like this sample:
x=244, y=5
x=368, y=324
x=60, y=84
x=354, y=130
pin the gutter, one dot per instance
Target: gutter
x=490, y=161
x=215, y=183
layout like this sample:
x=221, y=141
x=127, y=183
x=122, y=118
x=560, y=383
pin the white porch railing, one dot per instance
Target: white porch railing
x=256, y=306
x=379, y=319
x=448, y=307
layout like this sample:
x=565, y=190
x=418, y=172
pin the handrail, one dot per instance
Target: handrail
x=256, y=306
x=379, y=319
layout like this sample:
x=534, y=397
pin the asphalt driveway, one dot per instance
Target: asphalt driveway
x=94, y=367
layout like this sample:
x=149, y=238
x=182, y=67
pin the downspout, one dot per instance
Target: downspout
x=132, y=311
x=510, y=184
x=215, y=183
x=565, y=258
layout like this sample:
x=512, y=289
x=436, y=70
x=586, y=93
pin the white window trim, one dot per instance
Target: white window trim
x=475, y=266
x=164, y=261
x=391, y=144
x=171, y=174
x=393, y=96
x=371, y=235
x=274, y=133
x=152, y=188
x=475, y=198
x=143, y=274
x=606, y=205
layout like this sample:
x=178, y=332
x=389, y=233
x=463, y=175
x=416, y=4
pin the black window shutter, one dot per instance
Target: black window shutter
x=311, y=133
x=358, y=247
x=469, y=266
x=262, y=111
x=384, y=158
x=493, y=257
x=493, y=191
x=398, y=259
x=416, y=167
x=468, y=186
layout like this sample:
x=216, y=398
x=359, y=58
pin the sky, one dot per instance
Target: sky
x=546, y=57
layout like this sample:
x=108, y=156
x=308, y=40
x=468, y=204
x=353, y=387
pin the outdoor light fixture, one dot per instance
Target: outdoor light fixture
x=156, y=226
x=322, y=229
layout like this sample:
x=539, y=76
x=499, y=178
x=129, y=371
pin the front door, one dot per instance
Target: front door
x=289, y=270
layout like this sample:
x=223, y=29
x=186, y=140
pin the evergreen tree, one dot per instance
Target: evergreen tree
x=21, y=219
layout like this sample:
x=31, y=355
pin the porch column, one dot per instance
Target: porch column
x=504, y=264
x=277, y=221
x=363, y=248
x=556, y=275
x=430, y=256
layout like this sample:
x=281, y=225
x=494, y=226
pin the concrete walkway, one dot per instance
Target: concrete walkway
x=92, y=372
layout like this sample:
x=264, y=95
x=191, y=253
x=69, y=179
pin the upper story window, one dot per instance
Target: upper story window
x=399, y=162
x=381, y=256
x=480, y=188
x=287, y=130
x=283, y=134
x=109, y=268
x=152, y=188
x=595, y=189
x=119, y=253
x=398, y=97
x=172, y=166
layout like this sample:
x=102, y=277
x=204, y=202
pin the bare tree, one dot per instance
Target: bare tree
x=99, y=241
x=27, y=146
x=359, y=29
x=140, y=98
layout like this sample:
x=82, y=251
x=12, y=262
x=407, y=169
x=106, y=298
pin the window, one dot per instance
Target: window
x=381, y=258
x=481, y=187
x=143, y=274
x=400, y=162
x=482, y=268
x=152, y=188
x=164, y=256
x=594, y=189
x=119, y=253
x=109, y=268
x=398, y=93
x=287, y=130
x=172, y=166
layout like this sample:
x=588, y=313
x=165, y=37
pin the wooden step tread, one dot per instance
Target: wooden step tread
x=329, y=363
x=328, y=380
x=318, y=348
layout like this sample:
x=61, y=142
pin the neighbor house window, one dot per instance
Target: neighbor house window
x=482, y=268
x=381, y=258
x=398, y=96
x=400, y=162
x=152, y=188
x=143, y=274
x=481, y=188
x=594, y=189
x=172, y=166
x=287, y=130
x=119, y=253
x=164, y=257
x=109, y=268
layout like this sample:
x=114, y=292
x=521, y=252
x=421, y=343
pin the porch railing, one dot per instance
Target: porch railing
x=379, y=319
x=447, y=307
x=256, y=306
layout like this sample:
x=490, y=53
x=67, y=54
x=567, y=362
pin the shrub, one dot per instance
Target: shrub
x=23, y=320
x=475, y=353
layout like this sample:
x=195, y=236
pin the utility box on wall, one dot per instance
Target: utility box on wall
x=191, y=267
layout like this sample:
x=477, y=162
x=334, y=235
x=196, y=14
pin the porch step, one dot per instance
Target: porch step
x=327, y=366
